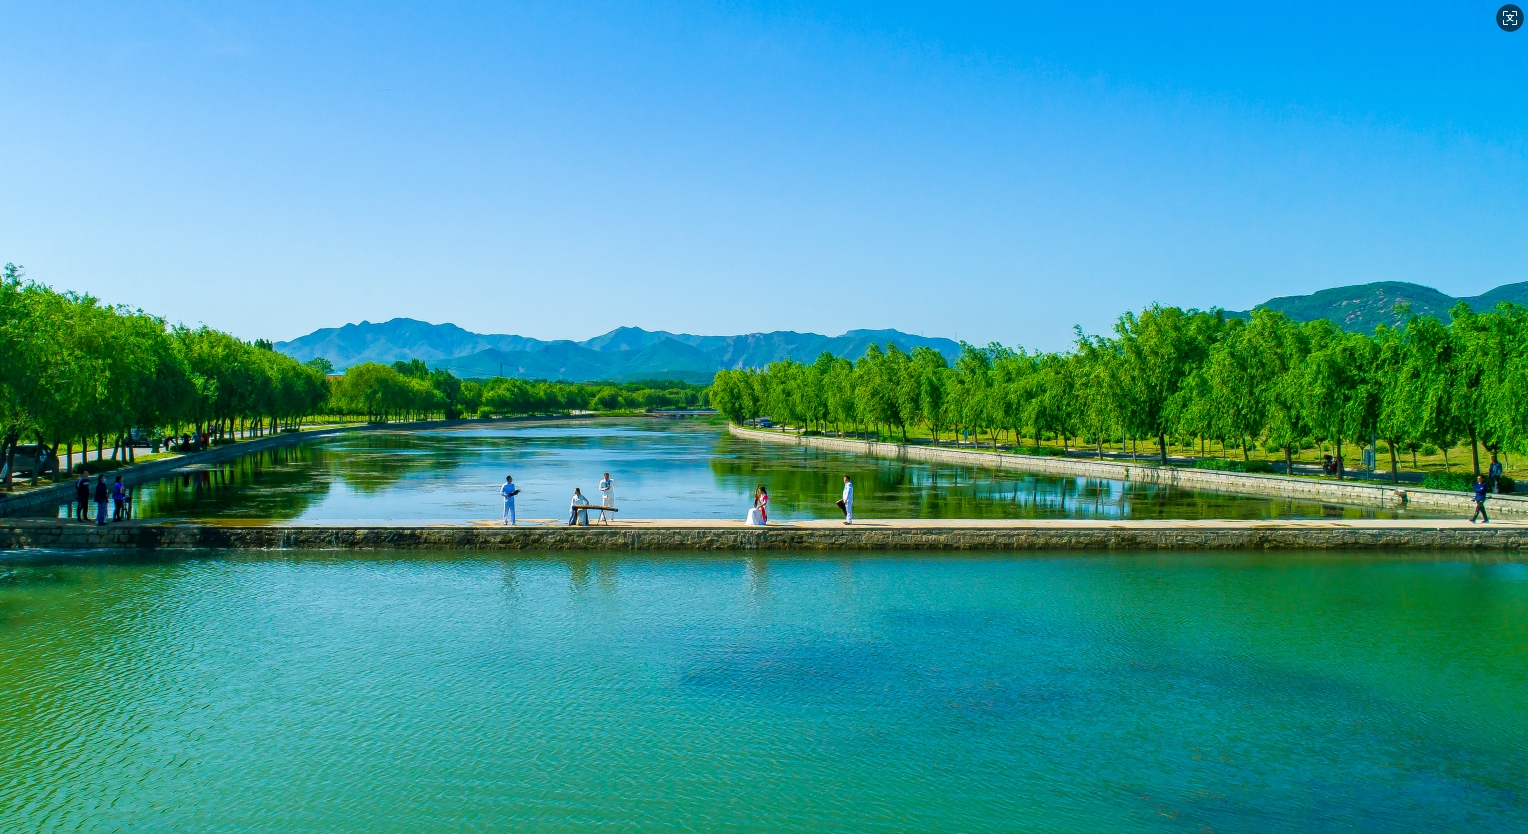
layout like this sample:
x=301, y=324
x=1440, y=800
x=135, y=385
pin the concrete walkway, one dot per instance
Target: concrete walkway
x=818, y=535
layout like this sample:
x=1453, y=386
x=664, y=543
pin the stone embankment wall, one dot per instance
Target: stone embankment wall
x=1342, y=492
x=49, y=535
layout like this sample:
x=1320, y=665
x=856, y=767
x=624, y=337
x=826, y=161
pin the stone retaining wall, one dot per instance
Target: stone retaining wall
x=148, y=536
x=1342, y=492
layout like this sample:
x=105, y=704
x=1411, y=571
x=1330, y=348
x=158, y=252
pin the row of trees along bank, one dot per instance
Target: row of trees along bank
x=411, y=390
x=1188, y=375
x=73, y=370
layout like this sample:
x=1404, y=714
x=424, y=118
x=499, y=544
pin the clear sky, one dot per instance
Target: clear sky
x=555, y=170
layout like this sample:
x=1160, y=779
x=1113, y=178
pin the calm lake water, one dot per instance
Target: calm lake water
x=662, y=469
x=1151, y=693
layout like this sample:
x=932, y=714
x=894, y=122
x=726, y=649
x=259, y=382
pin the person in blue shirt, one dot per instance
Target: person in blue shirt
x=509, y=491
x=1480, y=500
x=118, y=498
x=1493, y=474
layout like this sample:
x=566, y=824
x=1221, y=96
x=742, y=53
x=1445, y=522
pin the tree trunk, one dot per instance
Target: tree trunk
x=1246, y=452
x=1475, y=451
x=1289, y=467
x=1339, y=457
x=1162, y=443
x=1395, y=471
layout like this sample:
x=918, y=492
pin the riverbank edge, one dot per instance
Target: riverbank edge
x=1283, y=486
x=63, y=492
x=49, y=535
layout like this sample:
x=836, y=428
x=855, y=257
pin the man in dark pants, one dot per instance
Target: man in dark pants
x=1480, y=500
x=82, y=497
x=102, y=495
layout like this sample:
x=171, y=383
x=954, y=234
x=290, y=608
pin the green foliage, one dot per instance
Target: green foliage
x=72, y=368
x=1188, y=375
x=1457, y=481
x=1233, y=465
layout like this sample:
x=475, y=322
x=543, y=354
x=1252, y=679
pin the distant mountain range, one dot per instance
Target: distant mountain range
x=1361, y=307
x=627, y=353
x=630, y=353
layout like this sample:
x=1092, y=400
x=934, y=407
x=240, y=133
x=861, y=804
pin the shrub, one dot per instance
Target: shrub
x=1505, y=485
x=1429, y=449
x=1232, y=465
x=1457, y=481
x=94, y=467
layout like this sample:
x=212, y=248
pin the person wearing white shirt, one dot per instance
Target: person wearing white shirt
x=509, y=491
x=846, y=503
x=607, y=496
x=575, y=514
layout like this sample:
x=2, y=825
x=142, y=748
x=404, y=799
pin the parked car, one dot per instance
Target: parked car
x=29, y=460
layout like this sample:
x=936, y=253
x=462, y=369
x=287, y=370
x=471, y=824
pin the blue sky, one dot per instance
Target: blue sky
x=993, y=172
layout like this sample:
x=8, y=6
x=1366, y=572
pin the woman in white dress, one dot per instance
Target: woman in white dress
x=758, y=516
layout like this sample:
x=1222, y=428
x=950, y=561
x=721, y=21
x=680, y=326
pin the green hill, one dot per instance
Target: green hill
x=1362, y=307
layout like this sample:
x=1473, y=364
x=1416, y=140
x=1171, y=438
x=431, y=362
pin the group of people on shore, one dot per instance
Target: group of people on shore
x=117, y=494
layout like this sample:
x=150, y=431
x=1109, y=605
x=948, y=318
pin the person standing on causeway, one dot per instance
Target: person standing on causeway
x=509, y=491
x=102, y=495
x=607, y=496
x=846, y=503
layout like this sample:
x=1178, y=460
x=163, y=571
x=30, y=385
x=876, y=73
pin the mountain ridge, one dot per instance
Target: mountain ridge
x=622, y=354
x=1362, y=307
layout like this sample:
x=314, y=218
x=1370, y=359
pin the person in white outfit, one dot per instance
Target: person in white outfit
x=509, y=491
x=607, y=496
x=846, y=503
x=576, y=513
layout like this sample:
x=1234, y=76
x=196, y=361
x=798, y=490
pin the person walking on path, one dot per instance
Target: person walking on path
x=1480, y=500
x=82, y=497
x=846, y=503
x=509, y=491
x=118, y=499
x=101, y=495
x=575, y=514
x=1493, y=474
x=607, y=496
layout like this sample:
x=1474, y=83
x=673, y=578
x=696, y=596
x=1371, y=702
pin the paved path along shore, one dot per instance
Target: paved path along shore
x=821, y=535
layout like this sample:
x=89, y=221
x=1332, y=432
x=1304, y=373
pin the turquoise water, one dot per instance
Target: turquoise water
x=662, y=469
x=1158, y=693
